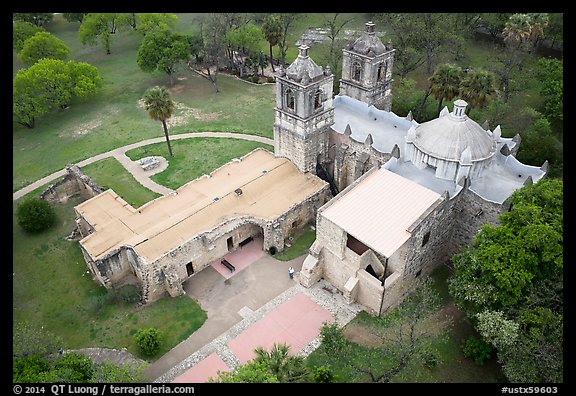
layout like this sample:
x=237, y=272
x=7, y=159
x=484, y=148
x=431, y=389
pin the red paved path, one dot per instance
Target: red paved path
x=297, y=322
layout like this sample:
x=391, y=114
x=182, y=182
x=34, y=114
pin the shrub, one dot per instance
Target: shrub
x=270, y=79
x=35, y=215
x=477, y=349
x=148, y=340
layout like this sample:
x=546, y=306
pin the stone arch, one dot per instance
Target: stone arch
x=356, y=71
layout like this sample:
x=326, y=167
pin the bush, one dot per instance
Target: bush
x=477, y=349
x=35, y=215
x=148, y=340
x=270, y=79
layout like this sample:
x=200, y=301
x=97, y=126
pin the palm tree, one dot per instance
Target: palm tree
x=445, y=83
x=517, y=30
x=478, y=87
x=273, y=33
x=285, y=367
x=160, y=107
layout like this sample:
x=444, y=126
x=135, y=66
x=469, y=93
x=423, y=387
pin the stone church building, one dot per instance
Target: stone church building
x=392, y=199
x=406, y=195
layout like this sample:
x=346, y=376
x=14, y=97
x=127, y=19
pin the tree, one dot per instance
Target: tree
x=213, y=28
x=163, y=50
x=98, y=27
x=149, y=341
x=146, y=22
x=250, y=372
x=445, y=83
x=43, y=45
x=404, y=334
x=478, y=87
x=510, y=283
x=273, y=32
x=160, y=107
x=21, y=31
x=35, y=215
x=245, y=40
x=334, y=27
x=39, y=19
x=74, y=17
x=286, y=21
x=285, y=367
x=49, y=84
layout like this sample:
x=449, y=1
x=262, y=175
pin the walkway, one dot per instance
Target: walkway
x=134, y=167
x=237, y=306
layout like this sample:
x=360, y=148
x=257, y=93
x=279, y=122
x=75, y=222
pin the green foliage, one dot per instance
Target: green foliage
x=74, y=367
x=148, y=341
x=35, y=215
x=322, y=374
x=96, y=304
x=477, y=349
x=43, y=45
x=510, y=283
x=250, y=372
x=285, y=367
x=162, y=50
x=29, y=369
x=50, y=84
x=147, y=22
x=98, y=27
x=21, y=31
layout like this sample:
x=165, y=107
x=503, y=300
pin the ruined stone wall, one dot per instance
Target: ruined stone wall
x=74, y=183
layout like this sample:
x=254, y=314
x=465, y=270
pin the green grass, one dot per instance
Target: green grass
x=300, y=246
x=194, y=157
x=109, y=173
x=52, y=289
x=113, y=118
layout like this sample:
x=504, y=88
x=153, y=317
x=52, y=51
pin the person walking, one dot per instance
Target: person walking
x=291, y=272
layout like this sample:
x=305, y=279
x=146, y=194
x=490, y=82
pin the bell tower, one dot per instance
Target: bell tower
x=304, y=112
x=367, y=70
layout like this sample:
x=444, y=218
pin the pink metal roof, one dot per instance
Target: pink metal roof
x=379, y=210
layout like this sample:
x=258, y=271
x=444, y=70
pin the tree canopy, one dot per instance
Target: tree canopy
x=510, y=283
x=49, y=84
x=43, y=45
x=163, y=50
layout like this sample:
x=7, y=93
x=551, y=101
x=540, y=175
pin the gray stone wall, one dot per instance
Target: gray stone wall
x=74, y=183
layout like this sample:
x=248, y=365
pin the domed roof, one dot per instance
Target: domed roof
x=368, y=44
x=448, y=136
x=303, y=69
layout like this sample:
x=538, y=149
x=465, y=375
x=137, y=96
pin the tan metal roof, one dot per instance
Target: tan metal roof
x=270, y=187
x=380, y=209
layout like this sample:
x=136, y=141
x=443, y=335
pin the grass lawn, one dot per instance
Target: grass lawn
x=300, y=246
x=194, y=157
x=52, y=289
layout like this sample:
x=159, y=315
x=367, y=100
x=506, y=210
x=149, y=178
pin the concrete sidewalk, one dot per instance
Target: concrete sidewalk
x=225, y=302
x=133, y=167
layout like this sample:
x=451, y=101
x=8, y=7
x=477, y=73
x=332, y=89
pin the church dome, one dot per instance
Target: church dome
x=368, y=44
x=448, y=136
